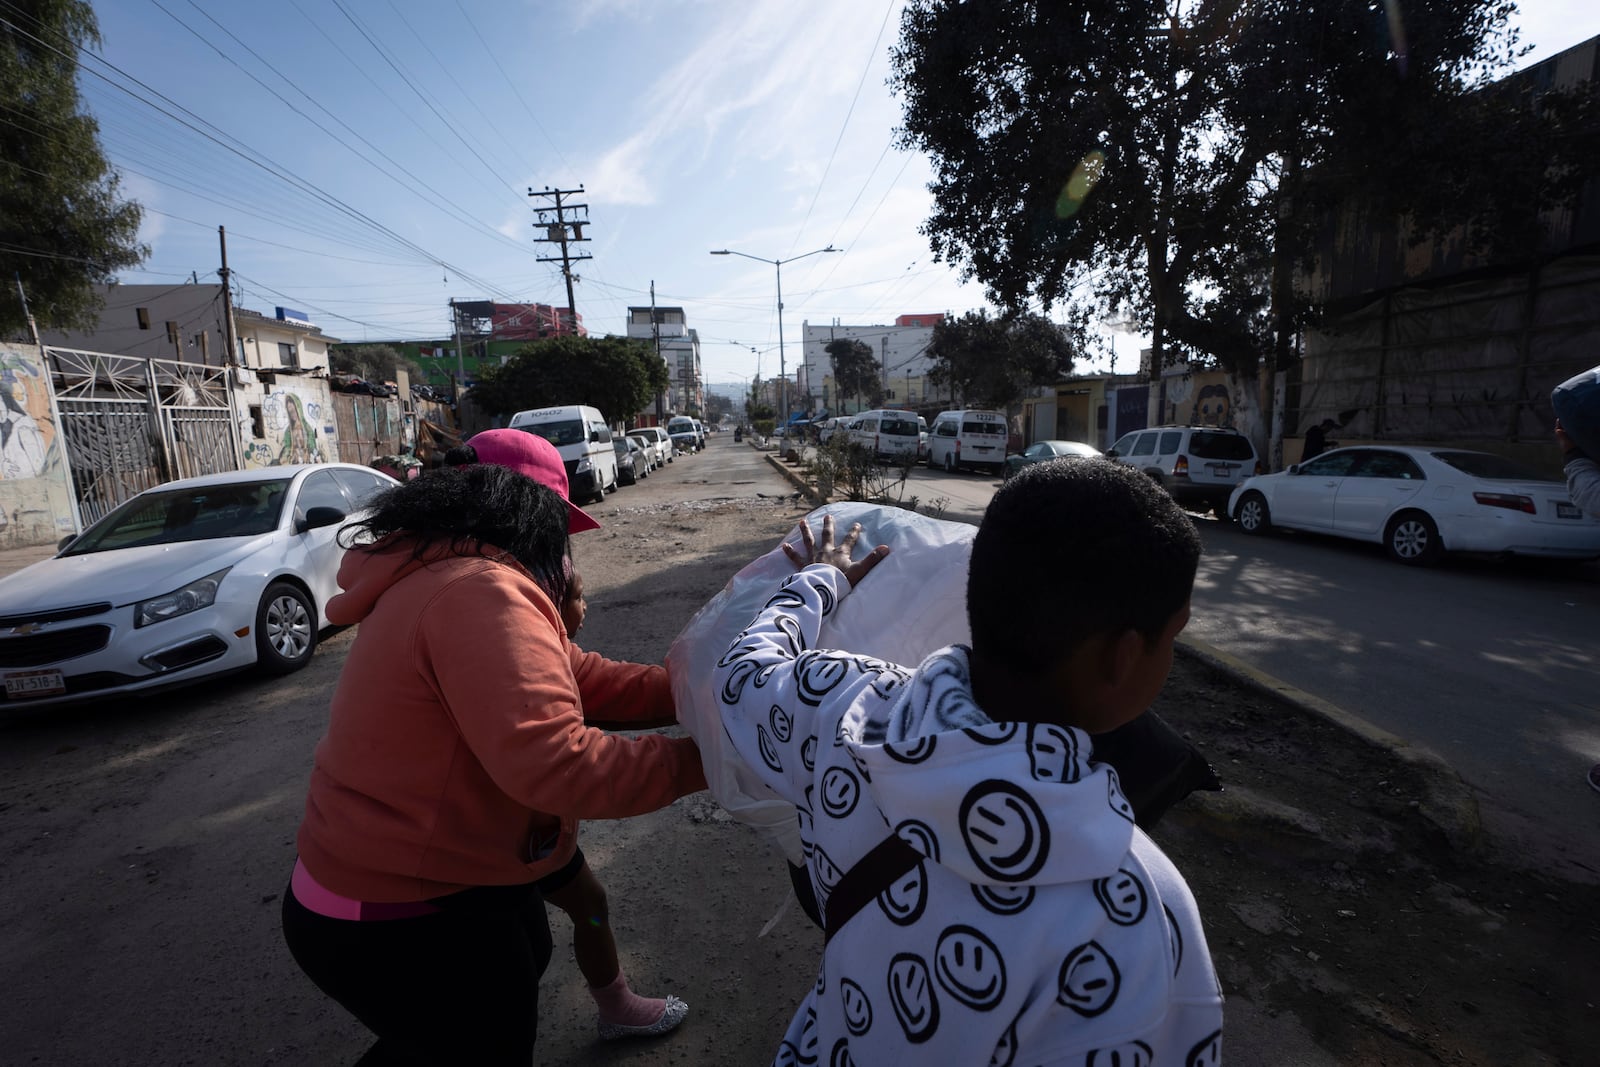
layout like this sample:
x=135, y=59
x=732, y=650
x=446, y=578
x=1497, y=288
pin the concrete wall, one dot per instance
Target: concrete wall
x=36, y=502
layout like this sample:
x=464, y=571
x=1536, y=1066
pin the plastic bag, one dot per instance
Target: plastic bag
x=914, y=604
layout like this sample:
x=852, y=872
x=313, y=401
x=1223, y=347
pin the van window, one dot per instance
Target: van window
x=1145, y=445
x=970, y=428
x=1170, y=441
x=945, y=428
x=900, y=425
x=561, y=432
x=680, y=425
x=1206, y=445
x=1124, y=444
x=599, y=431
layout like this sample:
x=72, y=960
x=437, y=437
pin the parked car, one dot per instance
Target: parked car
x=652, y=447
x=1040, y=451
x=685, y=438
x=187, y=580
x=976, y=439
x=828, y=427
x=891, y=434
x=664, y=446
x=1200, y=466
x=1420, y=502
x=630, y=461
x=922, y=439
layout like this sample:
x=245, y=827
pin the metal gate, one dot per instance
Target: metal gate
x=130, y=423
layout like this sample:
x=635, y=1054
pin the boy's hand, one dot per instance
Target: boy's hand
x=826, y=552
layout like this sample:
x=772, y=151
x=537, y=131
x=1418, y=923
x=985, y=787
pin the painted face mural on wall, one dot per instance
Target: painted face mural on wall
x=1213, y=407
x=26, y=430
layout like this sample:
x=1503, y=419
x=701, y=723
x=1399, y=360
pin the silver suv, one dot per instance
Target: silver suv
x=1198, y=465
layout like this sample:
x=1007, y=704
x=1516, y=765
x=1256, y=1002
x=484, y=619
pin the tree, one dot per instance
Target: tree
x=618, y=375
x=855, y=371
x=992, y=362
x=1111, y=155
x=374, y=363
x=63, y=226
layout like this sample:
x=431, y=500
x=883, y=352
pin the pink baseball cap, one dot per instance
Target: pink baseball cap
x=531, y=455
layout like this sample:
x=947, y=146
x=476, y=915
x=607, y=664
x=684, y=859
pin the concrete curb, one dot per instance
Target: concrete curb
x=1450, y=804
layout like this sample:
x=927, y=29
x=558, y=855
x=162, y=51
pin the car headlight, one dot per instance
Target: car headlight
x=200, y=593
x=584, y=465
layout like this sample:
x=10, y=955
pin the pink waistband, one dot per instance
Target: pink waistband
x=309, y=892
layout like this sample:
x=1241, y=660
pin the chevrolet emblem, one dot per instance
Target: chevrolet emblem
x=25, y=629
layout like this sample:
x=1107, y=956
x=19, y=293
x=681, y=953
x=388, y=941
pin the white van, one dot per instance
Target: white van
x=685, y=436
x=891, y=434
x=582, y=437
x=968, y=439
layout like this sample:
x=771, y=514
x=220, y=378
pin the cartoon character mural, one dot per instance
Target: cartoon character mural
x=292, y=420
x=26, y=429
x=1212, y=406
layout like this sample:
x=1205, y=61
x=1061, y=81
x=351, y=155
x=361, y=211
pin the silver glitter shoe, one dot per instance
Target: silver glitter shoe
x=675, y=1012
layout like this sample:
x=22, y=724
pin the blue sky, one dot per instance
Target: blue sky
x=371, y=158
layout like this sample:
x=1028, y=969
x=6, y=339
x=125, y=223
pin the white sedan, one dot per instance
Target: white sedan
x=187, y=580
x=1420, y=502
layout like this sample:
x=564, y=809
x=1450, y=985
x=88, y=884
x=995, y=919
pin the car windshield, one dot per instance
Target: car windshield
x=680, y=426
x=239, y=509
x=1220, y=446
x=563, y=432
x=898, y=425
x=1494, y=468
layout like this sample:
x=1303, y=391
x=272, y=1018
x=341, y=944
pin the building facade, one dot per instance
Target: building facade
x=668, y=328
x=901, y=352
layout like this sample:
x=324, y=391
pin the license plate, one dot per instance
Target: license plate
x=26, y=684
x=1568, y=511
x=983, y=448
x=1222, y=468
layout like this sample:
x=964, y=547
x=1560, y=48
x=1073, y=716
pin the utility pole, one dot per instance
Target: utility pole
x=655, y=331
x=461, y=360
x=33, y=327
x=564, y=231
x=228, y=332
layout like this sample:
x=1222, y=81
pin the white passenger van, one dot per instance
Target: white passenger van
x=685, y=435
x=582, y=437
x=968, y=439
x=892, y=435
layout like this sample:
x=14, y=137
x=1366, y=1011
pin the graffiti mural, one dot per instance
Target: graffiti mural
x=27, y=432
x=292, y=424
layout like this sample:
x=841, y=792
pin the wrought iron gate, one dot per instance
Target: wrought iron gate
x=132, y=423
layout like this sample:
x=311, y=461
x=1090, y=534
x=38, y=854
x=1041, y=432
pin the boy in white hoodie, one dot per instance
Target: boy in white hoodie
x=997, y=903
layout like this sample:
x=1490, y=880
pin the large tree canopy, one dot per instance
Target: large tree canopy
x=1170, y=162
x=988, y=362
x=63, y=227
x=855, y=371
x=618, y=375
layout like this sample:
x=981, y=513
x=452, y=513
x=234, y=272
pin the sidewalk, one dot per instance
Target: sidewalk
x=14, y=559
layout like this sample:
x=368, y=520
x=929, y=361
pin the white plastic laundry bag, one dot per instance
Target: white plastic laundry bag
x=913, y=603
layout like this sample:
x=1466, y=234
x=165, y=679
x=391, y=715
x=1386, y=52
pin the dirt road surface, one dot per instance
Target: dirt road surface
x=1354, y=915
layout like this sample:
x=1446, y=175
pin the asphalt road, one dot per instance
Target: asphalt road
x=1491, y=665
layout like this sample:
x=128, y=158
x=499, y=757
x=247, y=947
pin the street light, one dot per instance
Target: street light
x=783, y=381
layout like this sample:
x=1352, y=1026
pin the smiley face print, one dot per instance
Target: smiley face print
x=920, y=836
x=1004, y=899
x=1207, y=1052
x=807, y=1048
x=1005, y=831
x=769, y=751
x=818, y=674
x=906, y=897
x=1123, y=897
x=857, y=1008
x=1132, y=1054
x=840, y=792
x=738, y=677
x=840, y=1056
x=1118, y=802
x=970, y=968
x=911, y=994
x=826, y=871
x=1052, y=753
x=1089, y=980
x=915, y=751
x=808, y=753
x=782, y=724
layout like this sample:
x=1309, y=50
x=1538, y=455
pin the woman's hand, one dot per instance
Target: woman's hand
x=835, y=556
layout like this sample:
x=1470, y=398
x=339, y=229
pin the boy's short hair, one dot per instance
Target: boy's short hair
x=1073, y=548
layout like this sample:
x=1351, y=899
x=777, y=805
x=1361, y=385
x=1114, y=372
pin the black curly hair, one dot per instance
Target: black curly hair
x=1074, y=548
x=469, y=506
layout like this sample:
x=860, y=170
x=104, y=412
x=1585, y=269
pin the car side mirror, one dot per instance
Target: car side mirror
x=317, y=518
x=65, y=541
x=1294, y=468
x=1112, y=453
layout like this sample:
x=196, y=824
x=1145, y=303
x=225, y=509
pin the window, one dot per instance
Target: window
x=1212, y=445
x=1124, y=444
x=561, y=432
x=900, y=425
x=360, y=485
x=288, y=355
x=1145, y=445
x=1495, y=468
x=321, y=490
x=944, y=429
x=1170, y=441
x=1333, y=465
x=599, y=432
x=972, y=428
x=1388, y=465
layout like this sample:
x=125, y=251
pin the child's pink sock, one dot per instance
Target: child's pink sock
x=623, y=1007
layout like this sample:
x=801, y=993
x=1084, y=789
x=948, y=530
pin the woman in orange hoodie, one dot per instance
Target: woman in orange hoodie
x=459, y=758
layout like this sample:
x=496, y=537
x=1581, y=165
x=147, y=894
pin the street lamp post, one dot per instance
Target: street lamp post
x=783, y=381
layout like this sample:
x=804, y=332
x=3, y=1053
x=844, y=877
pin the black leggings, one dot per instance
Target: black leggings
x=459, y=986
